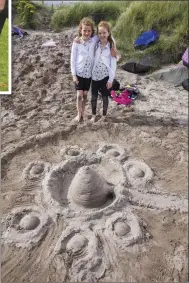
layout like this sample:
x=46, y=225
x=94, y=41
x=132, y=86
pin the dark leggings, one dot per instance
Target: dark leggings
x=96, y=87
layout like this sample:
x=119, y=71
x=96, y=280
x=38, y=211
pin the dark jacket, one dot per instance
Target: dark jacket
x=4, y=12
x=3, y=15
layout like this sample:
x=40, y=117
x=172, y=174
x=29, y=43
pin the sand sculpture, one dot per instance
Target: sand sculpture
x=89, y=189
x=97, y=213
x=26, y=226
x=138, y=232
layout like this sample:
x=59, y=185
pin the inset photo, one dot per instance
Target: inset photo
x=5, y=46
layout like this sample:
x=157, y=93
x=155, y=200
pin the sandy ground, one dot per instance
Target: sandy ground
x=102, y=202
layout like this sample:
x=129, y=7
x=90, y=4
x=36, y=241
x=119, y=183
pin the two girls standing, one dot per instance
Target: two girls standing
x=91, y=59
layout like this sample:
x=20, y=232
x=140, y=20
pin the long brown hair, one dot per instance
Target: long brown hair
x=107, y=26
x=88, y=22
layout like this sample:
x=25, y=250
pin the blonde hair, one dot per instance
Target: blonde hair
x=106, y=26
x=88, y=22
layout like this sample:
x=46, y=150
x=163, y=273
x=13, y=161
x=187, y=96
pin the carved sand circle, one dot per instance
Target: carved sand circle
x=35, y=170
x=138, y=172
x=71, y=151
x=111, y=151
x=121, y=228
x=27, y=225
x=38, y=169
x=76, y=244
x=29, y=222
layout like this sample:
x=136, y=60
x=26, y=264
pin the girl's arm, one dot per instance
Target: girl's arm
x=77, y=40
x=113, y=65
x=114, y=51
x=95, y=38
x=73, y=60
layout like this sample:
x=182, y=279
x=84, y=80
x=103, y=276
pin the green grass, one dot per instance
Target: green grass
x=169, y=18
x=66, y=16
x=129, y=19
x=32, y=15
x=4, y=58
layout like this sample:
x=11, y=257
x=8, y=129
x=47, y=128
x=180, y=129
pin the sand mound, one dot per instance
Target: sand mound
x=121, y=228
x=29, y=222
x=89, y=189
x=76, y=244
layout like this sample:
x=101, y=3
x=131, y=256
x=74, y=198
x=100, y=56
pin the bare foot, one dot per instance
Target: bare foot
x=84, y=117
x=77, y=118
x=93, y=119
x=102, y=119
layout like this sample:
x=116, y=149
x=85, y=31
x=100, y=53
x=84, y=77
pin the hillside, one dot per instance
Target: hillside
x=128, y=19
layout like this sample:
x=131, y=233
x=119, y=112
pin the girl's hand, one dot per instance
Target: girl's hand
x=108, y=85
x=77, y=40
x=75, y=80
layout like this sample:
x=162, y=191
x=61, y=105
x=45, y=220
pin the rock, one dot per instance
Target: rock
x=148, y=62
x=143, y=65
x=172, y=74
x=185, y=84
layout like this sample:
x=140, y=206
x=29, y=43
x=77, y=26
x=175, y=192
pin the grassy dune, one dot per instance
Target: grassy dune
x=66, y=16
x=4, y=58
x=129, y=19
x=169, y=18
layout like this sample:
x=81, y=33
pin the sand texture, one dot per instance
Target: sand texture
x=83, y=202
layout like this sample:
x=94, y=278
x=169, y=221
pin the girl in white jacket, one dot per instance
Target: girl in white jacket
x=82, y=59
x=104, y=69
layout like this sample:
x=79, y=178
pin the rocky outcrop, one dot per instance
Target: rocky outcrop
x=172, y=74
